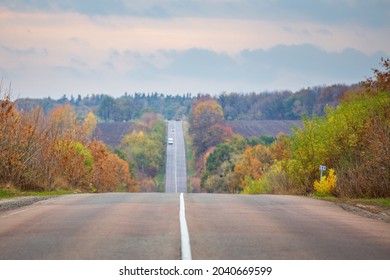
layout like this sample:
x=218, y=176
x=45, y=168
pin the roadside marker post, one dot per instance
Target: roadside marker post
x=322, y=168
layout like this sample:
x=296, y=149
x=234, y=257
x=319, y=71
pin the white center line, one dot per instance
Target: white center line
x=175, y=147
x=185, y=237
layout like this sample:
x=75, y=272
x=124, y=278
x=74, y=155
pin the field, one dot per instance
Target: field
x=111, y=133
x=257, y=128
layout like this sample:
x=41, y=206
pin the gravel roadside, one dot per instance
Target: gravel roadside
x=367, y=210
x=12, y=203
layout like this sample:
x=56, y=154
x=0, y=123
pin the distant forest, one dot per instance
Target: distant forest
x=278, y=105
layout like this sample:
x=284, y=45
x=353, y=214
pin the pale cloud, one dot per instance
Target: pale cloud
x=199, y=70
x=14, y=51
x=324, y=31
x=60, y=31
x=69, y=47
x=364, y=13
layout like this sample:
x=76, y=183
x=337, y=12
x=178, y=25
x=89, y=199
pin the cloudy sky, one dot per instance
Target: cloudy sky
x=53, y=47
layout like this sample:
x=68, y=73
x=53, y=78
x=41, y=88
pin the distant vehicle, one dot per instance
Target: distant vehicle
x=172, y=130
x=170, y=141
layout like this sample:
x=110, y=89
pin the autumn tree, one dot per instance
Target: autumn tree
x=353, y=139
x=66, y=160
x=219, y=166
x=207, y=125
x=208, y=130
x=381, y=81
x=10, y=151
x=63, y=119
x=110, y=173
x=21, y=139
x=89, y=124
x=145, y=151
x=253, y=165
x=39, y=152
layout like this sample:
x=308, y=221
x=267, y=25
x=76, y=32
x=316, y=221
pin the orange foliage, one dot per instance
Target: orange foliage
x=63, y=117
x=70, y=162
x=382, y=78
x=63, y=122
x=280, y=149
x=20, y=141
x=207, y=125
x=110, y=172
x=38, y=152
x=206, y=112
x=254, y=163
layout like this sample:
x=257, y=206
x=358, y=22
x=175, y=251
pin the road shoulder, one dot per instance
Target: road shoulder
x=376, y=212
x=16, y=202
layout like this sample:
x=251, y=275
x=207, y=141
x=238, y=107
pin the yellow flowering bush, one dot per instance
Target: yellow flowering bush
x=327, y=183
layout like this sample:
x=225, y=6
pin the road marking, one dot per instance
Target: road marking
x=175, y=158
x=185, y=237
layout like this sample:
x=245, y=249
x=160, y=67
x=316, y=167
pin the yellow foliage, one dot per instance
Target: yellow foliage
x=255, y=163
x=327, y=183
x=63, y=117
x=90, y=123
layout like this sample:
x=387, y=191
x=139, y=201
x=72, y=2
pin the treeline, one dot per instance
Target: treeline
x=54, y=151
x=352, y=140
x=131, y=107
x=124, y=108
x=81, y=105
x=285, y=105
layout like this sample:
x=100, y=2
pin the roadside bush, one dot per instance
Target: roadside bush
x=110, y=173
x=145, y=150
x=354, y=136
x=327, y=184
x=21, y=139
x=251, y=168
x=274, y=181
x=255, y=186
x=39, y=152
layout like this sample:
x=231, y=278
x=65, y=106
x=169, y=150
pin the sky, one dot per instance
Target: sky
x=72, y=47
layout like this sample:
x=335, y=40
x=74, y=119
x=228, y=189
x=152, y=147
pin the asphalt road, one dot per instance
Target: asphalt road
x=176, y=170
x=281, y=227
x=145, y=226
x=93, y=226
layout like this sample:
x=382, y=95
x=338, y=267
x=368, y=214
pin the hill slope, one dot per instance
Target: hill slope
x=112, y=133
x=257, y=128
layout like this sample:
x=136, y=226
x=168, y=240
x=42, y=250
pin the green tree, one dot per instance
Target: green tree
x=145, y=150
x=106, y=108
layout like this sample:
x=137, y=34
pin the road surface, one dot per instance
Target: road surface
x=176, y=169
x=146, y=226
x=93, y=226
x=149, y=226
x=280, y=227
